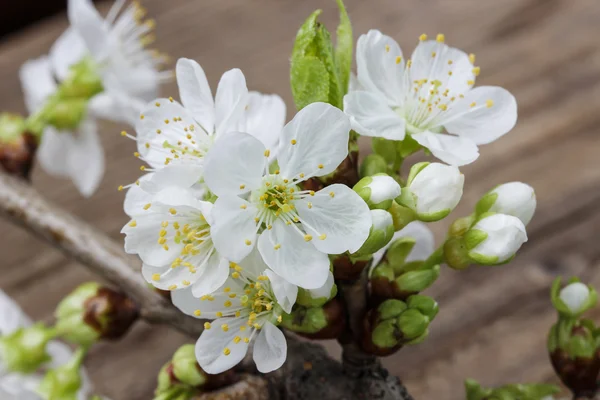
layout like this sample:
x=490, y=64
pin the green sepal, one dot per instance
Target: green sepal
x=417, y=281
x=70, y=313
x=485, y=203
x=373, y=164
x=414, y=170
x=484, y=260
x=474, y=237
x=67, y=114
x=383, y=271
x=419, y=339
x=456, y=254
x=433, y=217
x=385, y=148
x=344, y=48
x=305, y=298
x=401, y=215
x=385, y=334
x=407, y=146
x=397, y=252
x=12, y=127
x=391, y=308
x=305, y=320
x=425, y=304
x=64, y=382
x=377, y=240
x=461, y=225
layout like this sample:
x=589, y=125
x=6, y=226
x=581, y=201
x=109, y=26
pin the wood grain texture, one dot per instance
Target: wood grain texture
x=493, y=321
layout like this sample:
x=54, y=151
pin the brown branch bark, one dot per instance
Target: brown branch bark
x=309, y=372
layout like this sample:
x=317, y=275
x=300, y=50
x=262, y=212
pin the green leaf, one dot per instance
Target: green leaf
x=325, y=53
x=344, y=47
x=310, y=81
x=305, y=37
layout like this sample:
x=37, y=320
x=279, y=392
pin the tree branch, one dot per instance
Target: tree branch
x=309, y=372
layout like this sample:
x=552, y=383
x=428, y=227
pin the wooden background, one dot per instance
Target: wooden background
x=493, y=321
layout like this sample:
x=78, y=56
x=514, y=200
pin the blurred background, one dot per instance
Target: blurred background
x=493, y=321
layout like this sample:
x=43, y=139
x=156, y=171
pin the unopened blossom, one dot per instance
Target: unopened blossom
x=495, y=238
x=248, y=307
x=172, y=236
x=513, y=198
x=430, y=97
x=175, y=138
x=294, y=229
x=575, y=296
x=421, y=249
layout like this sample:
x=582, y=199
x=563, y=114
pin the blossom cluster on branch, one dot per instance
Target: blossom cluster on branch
x=257, y=226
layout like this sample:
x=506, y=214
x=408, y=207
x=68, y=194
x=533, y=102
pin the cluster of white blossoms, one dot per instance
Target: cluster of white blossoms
x=224, y=216
x=99, y=68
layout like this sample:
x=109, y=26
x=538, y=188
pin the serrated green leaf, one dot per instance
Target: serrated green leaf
x=344, y=48
x=310, y=81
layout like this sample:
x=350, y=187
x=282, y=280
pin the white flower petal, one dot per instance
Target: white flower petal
x=53, y=151
x=371, y=116
x=315, y=142
x=265, y=117
x=325, y=290
x=195, y=93
x=177, y=175
x=88, y=23
x=68, y=50
x=11, y=315
x=230, y=101
x=424, y=242
x=285, y=292
x=193, y=306
x=234, y=230
x=166, y=124
x=450, y=149
x=253, y=264
x=235, y=164
x=37, y=82
x=296, y=260
x=86, y=158
x=505, y=235
x=494, y=114
x=213, y=275
x=270, y=348
x=141, y=239
x=575, y=296
x=337, y=223
x=213, y=341
x=449, y=66
x=117, y=106
x=515, y=198
x=437, y=187
x=378, y=69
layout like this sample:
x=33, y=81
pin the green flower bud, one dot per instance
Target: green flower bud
x=390, y=309
x=64, y=382
x=382, y=231
x=378, y=191
x=325, y=322
x=417, y=281
x=373, y=164
x=425, y=304
x=17, y=145
x=398, y=251
x=385, y=335
x=456, y=253
x=574, y=299
x=401, y=215
x=186, y=368
x=495, y=239
x=92, y=312
x=24, y=350
x=412, y=323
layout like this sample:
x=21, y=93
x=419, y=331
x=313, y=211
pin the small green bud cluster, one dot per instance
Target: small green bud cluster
x=64, y=382
x=534, y=391
x=395, y=323
x=395, y=278
x=574, y=341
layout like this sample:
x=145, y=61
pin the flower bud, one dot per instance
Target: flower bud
x=536, y=391
x=317, y=297
x=513, y=198
x=378, y=191
x=93, y=312
x=17, y=146
x=186, y=368
x=495, y=239
x=373, y=164
x=326, y=322
x=395, y=323
x=24, y=350
x=380, y=234
x=433, y=190
x=64, y=382
x=574, y=299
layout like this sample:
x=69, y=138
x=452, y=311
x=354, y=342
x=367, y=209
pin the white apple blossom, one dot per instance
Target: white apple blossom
x=129, y=74
x=429, y=97
x=498, y=238
x=434, y=191
x=172, y=236
x=248, y=306
x=174, y=139
x=296, y=229
x=514, y=198
x=575, y=296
